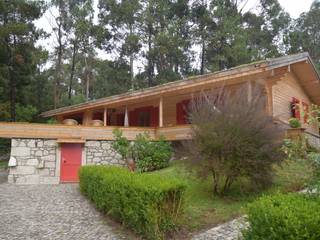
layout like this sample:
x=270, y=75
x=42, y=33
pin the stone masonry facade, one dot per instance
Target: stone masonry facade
x=35, y=161
x=102, y=153
x=38, y=160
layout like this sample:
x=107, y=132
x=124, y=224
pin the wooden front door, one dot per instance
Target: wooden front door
x=71, y=155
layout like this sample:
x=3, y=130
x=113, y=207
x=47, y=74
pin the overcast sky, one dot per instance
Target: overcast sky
x=293, y=7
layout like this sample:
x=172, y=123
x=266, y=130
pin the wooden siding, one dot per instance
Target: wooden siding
x=79, y=133
x=282, y=93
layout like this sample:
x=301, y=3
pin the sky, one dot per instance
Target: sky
x=293, y=7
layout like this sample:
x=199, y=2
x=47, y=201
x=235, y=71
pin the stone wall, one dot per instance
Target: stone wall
x=313, y=140
x=35, y=161
x=102, y=153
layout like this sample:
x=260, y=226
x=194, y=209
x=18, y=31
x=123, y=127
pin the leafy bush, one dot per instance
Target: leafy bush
x=148, y=155
x=148, y=204
x=151, y=155
x=278, y=217
x=294, y=123
x=233, y=137
x=314, y=185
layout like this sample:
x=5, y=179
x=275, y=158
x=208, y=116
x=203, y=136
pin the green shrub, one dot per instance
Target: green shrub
x=148, y=155
x=294, y=123
x=278, y=217
x=151, y=155
x=146, y=203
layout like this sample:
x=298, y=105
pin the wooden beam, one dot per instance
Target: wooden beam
x=126, y=117
x=105, y=115
x=249, y=91
x=161, y=112
x=80, y=133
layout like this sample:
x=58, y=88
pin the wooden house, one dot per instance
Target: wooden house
x=52, y=153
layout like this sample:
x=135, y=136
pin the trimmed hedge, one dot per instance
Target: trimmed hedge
x=290, y=217
x=146, y=203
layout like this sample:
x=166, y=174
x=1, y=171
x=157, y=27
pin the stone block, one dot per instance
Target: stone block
x=39, y=143
x=106, y=145
x=28, y=179
x=20, y=151
x=98, y=154
x=50, y=143
x=24, y=170
x=49, y=158
x=14, y=142
x=92, y=144
x=96, y=160
x=31, y=143
x=10, y=178
x=49, y=164
x=44, y=172
x=38, y=153
x=32, y=162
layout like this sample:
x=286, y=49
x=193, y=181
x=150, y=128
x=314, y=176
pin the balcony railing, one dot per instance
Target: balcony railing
x=82, y=133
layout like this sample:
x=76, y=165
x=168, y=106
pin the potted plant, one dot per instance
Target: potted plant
x=296, y=129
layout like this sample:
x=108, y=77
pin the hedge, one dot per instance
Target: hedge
x=146, y=203
x=290, y=217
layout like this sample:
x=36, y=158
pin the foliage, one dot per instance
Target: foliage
x=314, y=184
x=294, y=123
x=203, y=210
x=148, y=204
x=151, y=155
x=121, y=144
x=148, y=155
x=292, y=217
x=233, y=137
x=295, y=148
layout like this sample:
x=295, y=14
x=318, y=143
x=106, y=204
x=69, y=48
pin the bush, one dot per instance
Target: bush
x=146, y=203
x=290, y=217
x=148, y=155
x=234, y=137
x=294, y=123
x=151, y=155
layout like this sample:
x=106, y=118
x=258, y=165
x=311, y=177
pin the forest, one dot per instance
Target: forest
x=150, y=42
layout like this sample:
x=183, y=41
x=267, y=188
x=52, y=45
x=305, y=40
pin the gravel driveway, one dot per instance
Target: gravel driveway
x=50, y=212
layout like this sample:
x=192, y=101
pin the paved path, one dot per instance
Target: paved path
x=50, y=212
x=227, y=231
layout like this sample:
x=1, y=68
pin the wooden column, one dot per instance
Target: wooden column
x=126, y=118
x=161, y=112
x=249, y=91
x=105, y=117
x=87, y=118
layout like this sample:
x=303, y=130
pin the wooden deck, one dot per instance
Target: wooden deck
x=65, y=133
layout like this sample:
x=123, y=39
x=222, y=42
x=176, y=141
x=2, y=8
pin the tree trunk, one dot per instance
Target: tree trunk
x=72, y=70
x=150, y=63
x=59, y=61
x=131, y=62
x=202, y=57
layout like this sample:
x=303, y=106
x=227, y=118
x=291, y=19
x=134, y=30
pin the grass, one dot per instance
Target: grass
x=204, y=210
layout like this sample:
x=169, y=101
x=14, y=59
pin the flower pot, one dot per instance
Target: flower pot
x=70, y=122
x=96, y=123
x=294, y=133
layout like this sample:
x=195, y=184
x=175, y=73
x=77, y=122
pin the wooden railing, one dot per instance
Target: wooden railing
x=78, y=133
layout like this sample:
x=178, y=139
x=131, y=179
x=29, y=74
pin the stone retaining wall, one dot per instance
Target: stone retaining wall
x=38, y=160
x=35, y=161
x=102, y=153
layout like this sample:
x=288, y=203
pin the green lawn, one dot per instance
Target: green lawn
x=203, y=210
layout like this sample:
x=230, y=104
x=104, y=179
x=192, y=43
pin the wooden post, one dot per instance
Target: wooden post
x=105, y=117
x=161, y=112
x=249, y=91
x=126, y=118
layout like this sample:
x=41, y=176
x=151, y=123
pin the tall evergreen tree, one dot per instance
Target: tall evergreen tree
x=17, y=37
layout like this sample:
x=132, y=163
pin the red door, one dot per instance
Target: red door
x=71, y=155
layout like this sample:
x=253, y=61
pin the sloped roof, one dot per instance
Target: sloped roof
x=255, y=67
